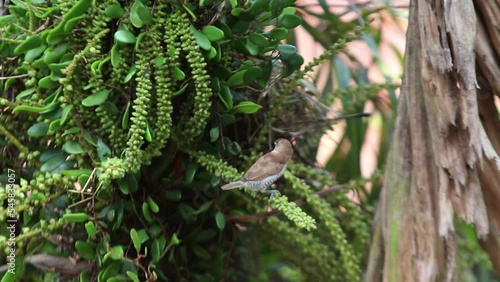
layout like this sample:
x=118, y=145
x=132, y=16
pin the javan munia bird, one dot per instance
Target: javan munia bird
x=266, y=170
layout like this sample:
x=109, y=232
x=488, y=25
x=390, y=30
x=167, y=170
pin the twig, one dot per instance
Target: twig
x=299, y=202
x=13, y=76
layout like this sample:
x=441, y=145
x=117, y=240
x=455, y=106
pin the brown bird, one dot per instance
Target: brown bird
x=266, y=170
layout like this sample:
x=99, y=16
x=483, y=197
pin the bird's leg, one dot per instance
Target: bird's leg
x=272, y=192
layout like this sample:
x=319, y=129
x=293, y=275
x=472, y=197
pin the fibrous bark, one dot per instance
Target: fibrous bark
x=444, y=158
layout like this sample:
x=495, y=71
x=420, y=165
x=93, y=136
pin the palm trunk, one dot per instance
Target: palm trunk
x=444, y=157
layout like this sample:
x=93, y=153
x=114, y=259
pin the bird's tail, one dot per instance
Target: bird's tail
x=232, y=185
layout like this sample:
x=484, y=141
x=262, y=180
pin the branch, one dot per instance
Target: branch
x=299, y=202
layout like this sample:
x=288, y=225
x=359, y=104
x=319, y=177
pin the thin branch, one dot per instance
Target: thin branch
x=299, y=202
x=13, y=76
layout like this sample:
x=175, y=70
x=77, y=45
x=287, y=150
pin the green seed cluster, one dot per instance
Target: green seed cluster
x=163, y=31
x=329, y=222
x=195, y=125
x=141, y=107
x=354, y=221
x=112, y=168
x=37, y=192
x=293, y=212
x=303, y=249
x=216, y=166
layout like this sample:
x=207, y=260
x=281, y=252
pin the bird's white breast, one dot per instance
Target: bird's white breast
x=260, y=185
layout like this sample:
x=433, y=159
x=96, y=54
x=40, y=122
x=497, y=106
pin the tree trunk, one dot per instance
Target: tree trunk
x=444, y=157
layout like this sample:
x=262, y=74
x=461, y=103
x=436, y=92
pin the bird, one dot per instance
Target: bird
x=266, y=170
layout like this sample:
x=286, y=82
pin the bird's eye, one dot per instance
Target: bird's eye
x=276, y=142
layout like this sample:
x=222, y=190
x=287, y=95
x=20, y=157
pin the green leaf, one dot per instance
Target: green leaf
x=48, y=83
x=292, y=63
x=144, y=13
x=96, y=98
x=138, y=41
x=252, y=49
x=233, y=3
x=10, y=276
x=53, y=54
x=115, y=253
x=290, y=21
x=278, y=33
x=190, y=172
x=56, y=34
x=259, y=6
x=179, y=74
x=174, y=241
x=114, y=11
x=25, y=93
x=259, y=39
x=135, y=19
x=157, y=248
x=66, y=111
x=38, y=130
x=133, y=276
x=203, y=208
x=252, y=74
x=125, y=117
x=35, y=109
x=201, y=39
x=186, y=7
x=214, y=134
x=220, y=220
x=130, y=74
x=86, y=250
x=115, y=56
x=287, y=49
x=83, y=179
x=76, y=217
x=180, y=91
x=212, y=33
x=236, y=79
x=72, y=147
x=55, y=125
x=34, y=53
x=200, y=251
x=212, y=53
x=135, y=240
x=289, y=10
x=89, y=137
x=79, y=8
x=125, y=36
x=149, y=133
x=247, y=107
x=28, y=44
x=102, y=150
x=4, y=20
x=226, y=97
x=173, y=195
x=70, y=24
x=53, y=163
x=145, y=212
x=152, y=205
x=91, y=230
x=160, y=61
x=49, y=154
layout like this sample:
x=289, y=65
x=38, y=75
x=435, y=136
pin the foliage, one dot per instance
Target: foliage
x=120, y=120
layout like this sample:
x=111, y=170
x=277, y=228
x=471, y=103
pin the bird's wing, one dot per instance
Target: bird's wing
x=269, y=164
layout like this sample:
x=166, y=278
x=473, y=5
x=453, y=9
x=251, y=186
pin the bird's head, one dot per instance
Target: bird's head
x=283, y=145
